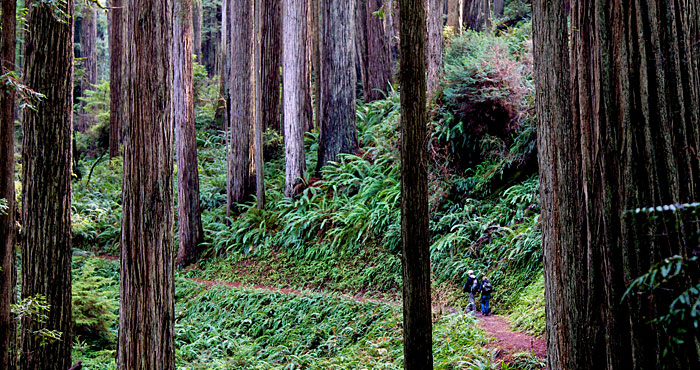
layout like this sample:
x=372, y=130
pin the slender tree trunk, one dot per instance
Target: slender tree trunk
x=338, y=130
x=434, y=10
x=308, y=82
x=415, y=236
x=189, y=213
x=258, y=129
x=635, y=85
x=211, y=36
x=8, y=279
x=316, y=51
x=477, y=14
x=361, y=43
x=197, y=29
x=378, y=53
x=241, y=118
x=294, y=69
x=117, y=53
x=455, y=9
x=46, y=173
x=88, y=52
x=271, y=46
x=147, y=311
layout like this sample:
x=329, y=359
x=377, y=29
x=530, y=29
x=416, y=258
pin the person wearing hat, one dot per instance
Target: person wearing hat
x=471, y=286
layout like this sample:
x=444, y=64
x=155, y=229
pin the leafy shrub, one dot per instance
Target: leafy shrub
x=95, y=300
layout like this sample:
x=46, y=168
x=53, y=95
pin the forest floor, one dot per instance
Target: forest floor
x=507, y=342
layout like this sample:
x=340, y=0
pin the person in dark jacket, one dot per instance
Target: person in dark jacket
x=471, y=286
x=486, y=291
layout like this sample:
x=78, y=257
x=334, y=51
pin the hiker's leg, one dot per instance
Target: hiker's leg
x=486, y=304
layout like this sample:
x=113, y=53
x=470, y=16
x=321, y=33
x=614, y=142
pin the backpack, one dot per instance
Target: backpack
x=475, y=286
x=486, y=287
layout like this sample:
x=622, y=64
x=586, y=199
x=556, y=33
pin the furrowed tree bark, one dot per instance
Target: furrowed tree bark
x=378, y=53
x=258, y=129
x=316, y=53
x=561, y=191
x=189, y=224
x=338, y=132
x=415, y=236
x=117, y=53
x=635, y=84
x=308, y=81
x=146, y=311
x=294, y=69
x=211, y=37
x=434, y=10
x=46, y=183
x=477, y=14
x=271, y=46
x=454, y=15
x=241, y=117
x=8, y=279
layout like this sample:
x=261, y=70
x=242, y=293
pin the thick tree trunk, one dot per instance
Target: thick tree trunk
x=378, y=53
x=189, y=213
x=46, y=173
x=8, y=279
x=146, y=312
x=434, y=10
x=197, y=29
x=241, y=117
x=477, y=14
x=635, y=85
x=415, y=236
x=117, y=54
x=498, y=8
x=455, y=9
x=338, y=130
x=271, y=46
x=294, y=69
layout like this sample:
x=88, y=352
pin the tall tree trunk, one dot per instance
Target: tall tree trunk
x=415, y=236
x=147, y=311
x=271, y=46
x=635, y=88
x=46, y=173
x=378, y=53
x=88, y=52
x=361, y=43
x=197, y=29
x=308, y=82
x=211, y=36
x=258, y=129
x=434, y=11
x=117, y=59
x=338, y=132
x=8, y=279
x=294, y=70
x=189, y=212
x=477, y=14
x=455, y=9
x=241, y=117
x=316, y=52
x=561, y=192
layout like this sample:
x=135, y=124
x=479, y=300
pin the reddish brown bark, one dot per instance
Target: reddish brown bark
x=117, y=54
x=378, y=76
x=147, y=311
x=46, y=184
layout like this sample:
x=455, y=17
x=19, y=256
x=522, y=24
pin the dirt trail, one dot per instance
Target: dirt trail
x=507, y=341
x=510, y=342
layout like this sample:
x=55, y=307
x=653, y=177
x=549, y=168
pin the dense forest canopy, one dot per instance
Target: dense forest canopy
x=364, y=184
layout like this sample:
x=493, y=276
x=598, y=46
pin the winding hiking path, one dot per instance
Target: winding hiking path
x=507, y=341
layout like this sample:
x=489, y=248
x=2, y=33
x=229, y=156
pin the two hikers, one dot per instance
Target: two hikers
x=473, y=287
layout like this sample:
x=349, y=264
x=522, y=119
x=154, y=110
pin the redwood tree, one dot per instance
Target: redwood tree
x=433, y=50
x=7, y=189
x=271, y=46
x=46, y=184
x=88, y=54
x=189, y=223
x=294, y=69
x=240, y=182
x=378, y=76
x=454, y=15
x=146, y=311
x=338, y=132
x=415, y=236
x=619, y=127
x=476, y=14
x=117, y=54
